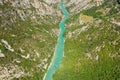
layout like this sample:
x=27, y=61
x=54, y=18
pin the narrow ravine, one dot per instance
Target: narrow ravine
x=58, y=53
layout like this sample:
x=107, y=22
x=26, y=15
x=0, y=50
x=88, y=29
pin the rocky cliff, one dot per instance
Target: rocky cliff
x=29, y=30
x=39, y=11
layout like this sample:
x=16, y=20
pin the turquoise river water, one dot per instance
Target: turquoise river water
x=58, y=54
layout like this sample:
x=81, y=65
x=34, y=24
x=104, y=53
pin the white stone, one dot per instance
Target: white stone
x=18, y=74
x=7, y=46
x=1, y=55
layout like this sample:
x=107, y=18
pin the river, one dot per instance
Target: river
x=58, y=53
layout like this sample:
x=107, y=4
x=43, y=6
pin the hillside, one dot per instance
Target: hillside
x=29, y=30
x=28, y=34
x=92, y=45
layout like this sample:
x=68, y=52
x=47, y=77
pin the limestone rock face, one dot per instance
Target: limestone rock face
x=29, y=31
x=34, y=10
x=38, y=11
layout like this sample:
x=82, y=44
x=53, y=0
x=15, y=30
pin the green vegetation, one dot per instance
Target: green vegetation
x=104, y=14
x=37, y=41
x=92, y=51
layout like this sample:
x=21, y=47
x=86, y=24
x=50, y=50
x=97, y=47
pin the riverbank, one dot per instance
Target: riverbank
x=58, y=54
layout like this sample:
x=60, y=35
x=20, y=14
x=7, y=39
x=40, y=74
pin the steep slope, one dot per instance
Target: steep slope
x=29, y=31
x=28, y=34
x=34, y=10
x=92, y=45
